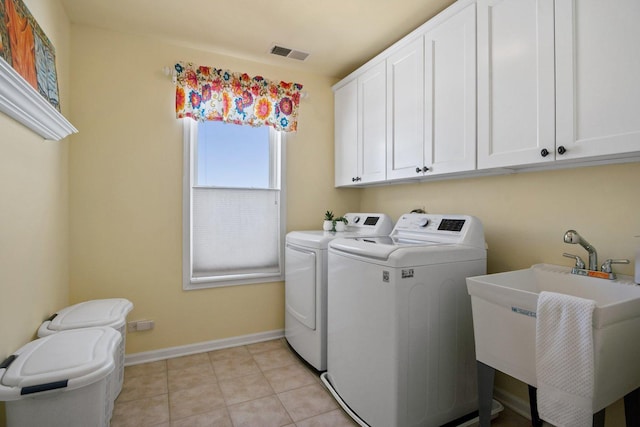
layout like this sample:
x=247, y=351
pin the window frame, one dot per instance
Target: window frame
x=277, y=181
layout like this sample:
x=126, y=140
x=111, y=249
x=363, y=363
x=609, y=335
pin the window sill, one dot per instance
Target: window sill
x=231, y=280
x=23, y=103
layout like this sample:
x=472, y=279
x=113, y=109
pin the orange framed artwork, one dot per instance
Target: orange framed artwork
x=25, y=47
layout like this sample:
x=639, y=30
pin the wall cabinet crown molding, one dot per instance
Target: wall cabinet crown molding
x=21, y=102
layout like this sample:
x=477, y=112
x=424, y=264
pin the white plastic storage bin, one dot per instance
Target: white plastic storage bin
x=110, y=312
x=61, y=380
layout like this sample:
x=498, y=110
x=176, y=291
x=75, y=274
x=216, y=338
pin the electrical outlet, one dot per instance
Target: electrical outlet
x=145, y=325
x=140, y=325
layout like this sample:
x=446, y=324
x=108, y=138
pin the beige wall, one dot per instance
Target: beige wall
x=34, y=214
x=126, y=189
x=34, y=246
x=525, y=217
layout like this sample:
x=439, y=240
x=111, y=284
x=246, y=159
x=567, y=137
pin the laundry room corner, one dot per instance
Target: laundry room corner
x=524, y=217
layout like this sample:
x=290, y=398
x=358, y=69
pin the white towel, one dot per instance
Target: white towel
x=564, y=359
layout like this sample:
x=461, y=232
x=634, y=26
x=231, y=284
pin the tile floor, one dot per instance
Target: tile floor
x=257, y=385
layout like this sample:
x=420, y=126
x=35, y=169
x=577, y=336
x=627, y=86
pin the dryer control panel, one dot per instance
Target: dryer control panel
x=370, y=223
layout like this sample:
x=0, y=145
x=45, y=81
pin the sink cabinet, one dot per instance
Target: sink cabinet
x=557, y=81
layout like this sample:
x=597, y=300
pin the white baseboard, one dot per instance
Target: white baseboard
x=513, y=402
x=185, y=350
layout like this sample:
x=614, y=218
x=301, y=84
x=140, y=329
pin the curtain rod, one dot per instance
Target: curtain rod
x=169, y=72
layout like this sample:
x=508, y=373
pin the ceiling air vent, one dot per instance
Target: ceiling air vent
x=288, y=53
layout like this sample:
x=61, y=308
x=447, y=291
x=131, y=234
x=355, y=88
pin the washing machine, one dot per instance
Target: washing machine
x=306, y=283
x=400, y=349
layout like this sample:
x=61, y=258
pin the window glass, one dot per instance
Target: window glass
x=233, y=205
x=230, y=155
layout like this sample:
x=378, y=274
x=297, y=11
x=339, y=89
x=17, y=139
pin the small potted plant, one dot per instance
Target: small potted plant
x=340, y=223
x=327, y=225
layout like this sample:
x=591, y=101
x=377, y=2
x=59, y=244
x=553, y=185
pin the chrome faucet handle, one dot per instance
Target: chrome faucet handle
x=579, y=262
x=606, y=267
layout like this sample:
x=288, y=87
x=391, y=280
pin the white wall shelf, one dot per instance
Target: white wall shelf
x=23, y=103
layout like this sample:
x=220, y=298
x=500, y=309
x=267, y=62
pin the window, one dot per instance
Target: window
x=233, y=209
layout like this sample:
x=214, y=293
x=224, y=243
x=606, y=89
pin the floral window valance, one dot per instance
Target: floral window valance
x=207, y=93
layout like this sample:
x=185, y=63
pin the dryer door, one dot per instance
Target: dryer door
x=300, y=284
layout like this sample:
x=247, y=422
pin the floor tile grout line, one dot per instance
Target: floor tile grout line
x=226, y=406
x=166, y=367
x=274, y=392
x=261, y=369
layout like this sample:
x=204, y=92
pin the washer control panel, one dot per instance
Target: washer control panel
x=430, y=223
x=464, y=229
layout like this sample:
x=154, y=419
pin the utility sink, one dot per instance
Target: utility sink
x=504, y=309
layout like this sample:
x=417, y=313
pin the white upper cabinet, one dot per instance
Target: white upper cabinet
x=360, y=129
x=372, y=124
x=405, y=112
x=557, y=81
x=431, y=85
x=597, y=77
x=516, y=116
x=346, y=133
x=450, y=95
x=493, y=84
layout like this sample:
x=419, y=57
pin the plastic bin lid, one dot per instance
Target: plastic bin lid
x=69, y=359
x=99, y=312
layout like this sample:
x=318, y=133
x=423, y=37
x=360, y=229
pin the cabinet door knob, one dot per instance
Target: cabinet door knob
x=544, y=152
x=418, y=170
x=561, y=150
x=425, y=169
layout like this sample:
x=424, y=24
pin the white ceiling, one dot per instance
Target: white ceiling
x=339, y=35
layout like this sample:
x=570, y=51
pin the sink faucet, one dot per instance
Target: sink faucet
x=572, y=236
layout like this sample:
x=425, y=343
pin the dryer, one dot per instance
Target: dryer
x=306, y=283
x=400, y=348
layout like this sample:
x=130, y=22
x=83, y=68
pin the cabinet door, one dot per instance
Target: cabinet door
x=346, y=133
x=372, y=119
x=516, y=116
x=405, y=124
x=598, y=67
x=450, y=82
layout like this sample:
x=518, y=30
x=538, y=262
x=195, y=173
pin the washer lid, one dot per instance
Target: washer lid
x=395, y=253
x=69, y=359
x=358, y=224
x=99, y=312
x=317, y=239
x=377, y=247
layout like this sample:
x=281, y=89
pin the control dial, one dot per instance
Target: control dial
x=423, y=222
